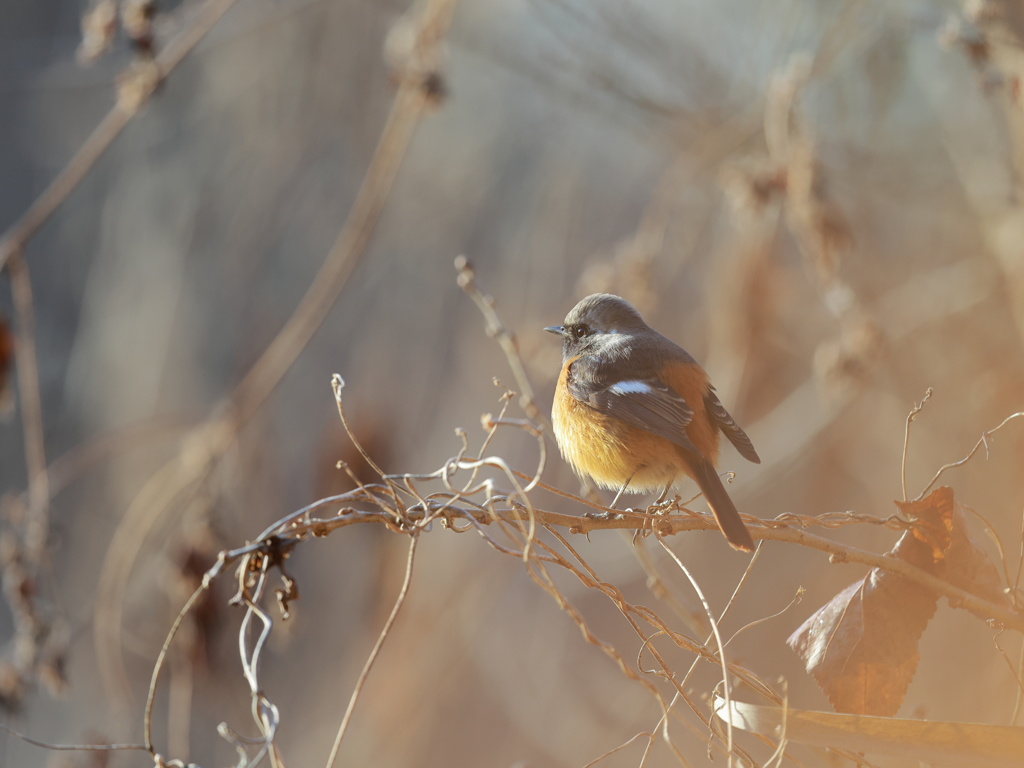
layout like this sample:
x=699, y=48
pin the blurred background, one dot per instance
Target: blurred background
x=819, y=200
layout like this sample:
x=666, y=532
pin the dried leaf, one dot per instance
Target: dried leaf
x=960, y=559
x=861, y=646
x=919, y=741
x=926, y=543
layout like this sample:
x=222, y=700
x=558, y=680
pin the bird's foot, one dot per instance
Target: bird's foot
x=664, y=506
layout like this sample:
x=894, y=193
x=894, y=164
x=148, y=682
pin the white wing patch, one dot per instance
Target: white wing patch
x=631, y=387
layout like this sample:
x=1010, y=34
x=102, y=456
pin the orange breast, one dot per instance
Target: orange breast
x=612, y=451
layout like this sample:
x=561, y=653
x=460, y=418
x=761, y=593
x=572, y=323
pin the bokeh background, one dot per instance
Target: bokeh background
x=820, y=200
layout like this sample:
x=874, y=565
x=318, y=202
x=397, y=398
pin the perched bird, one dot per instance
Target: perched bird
x=635, y=412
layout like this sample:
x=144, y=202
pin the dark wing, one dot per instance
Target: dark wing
x=729, y=427
x=644, y=402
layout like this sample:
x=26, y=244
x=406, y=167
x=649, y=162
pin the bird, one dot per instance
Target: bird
x=635, y=412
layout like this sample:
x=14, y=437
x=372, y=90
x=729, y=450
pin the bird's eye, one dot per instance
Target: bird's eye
x=579, y=331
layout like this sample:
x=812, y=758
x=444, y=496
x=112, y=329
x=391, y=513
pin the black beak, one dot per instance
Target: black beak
x=555, y=329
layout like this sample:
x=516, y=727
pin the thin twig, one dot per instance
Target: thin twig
x=72, y=747
x=1015, y=671
x=147, y=717
x=797, y=596
x=337, y=385
x=982, y=441
x=619, y=748
x=711, y=636
x=997, y=540
x=718, y=641
x=496, y=329
x=906, y=437
x=361, y=682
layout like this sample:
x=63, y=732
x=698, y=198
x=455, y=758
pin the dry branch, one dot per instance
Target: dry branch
x=109, y=128
x=209, y=442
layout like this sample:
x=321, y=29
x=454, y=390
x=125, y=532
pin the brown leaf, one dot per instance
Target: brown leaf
x=941, y=522
x=970, y=568
x=861, y=646
x=926, y=543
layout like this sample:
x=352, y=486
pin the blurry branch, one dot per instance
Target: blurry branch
x=629, y=271
x=31, y=410
x=417, y=92
x=587, y=40
x=990, y=34
x=135, y=90
x=68, y=467
x=816, y=222
x=163, y=490
x=782, y=187
x=789, y=181
x=71, y=747
x=505, y=338
x=39, y=645
x=23, y=558
x=796, y=424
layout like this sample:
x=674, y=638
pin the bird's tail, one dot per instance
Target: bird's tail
x=728, y=518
